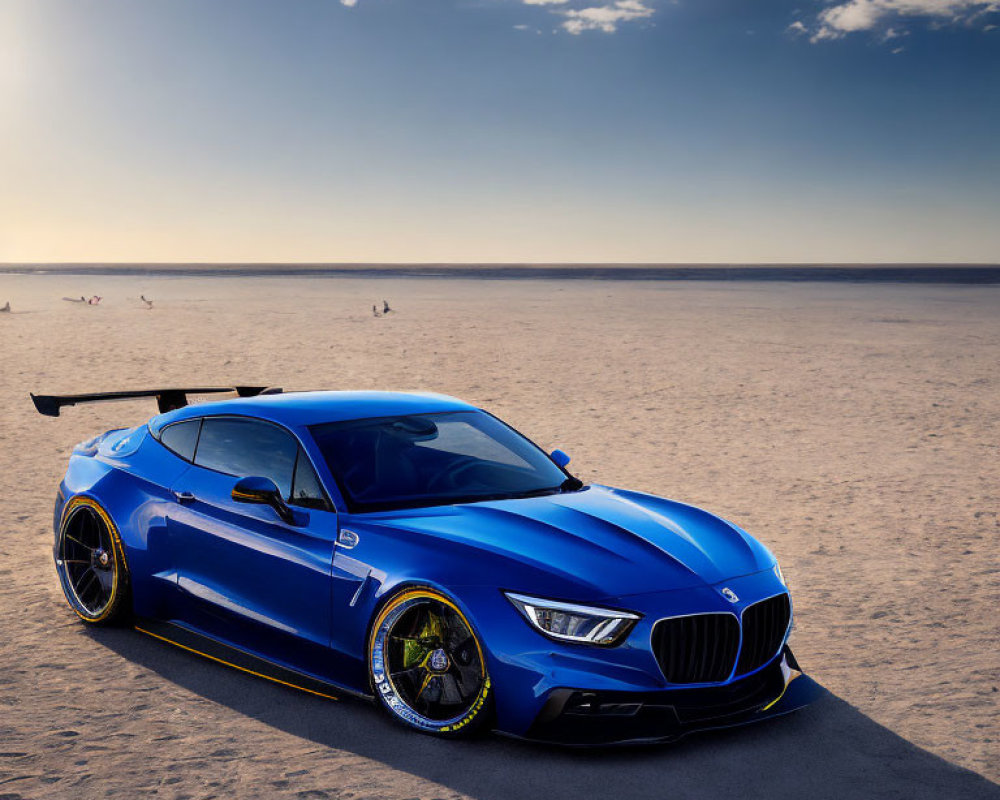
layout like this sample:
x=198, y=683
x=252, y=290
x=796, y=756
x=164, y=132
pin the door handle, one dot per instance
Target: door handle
x=347, y=539
x=183, y=497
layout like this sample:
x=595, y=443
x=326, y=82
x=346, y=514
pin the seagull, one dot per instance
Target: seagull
x=149, y=303
x=385, y=307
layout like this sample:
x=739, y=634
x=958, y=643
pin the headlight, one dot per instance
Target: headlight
x=572, y=623
x=777, y=571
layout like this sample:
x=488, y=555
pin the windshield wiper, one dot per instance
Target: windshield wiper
x=571, y=484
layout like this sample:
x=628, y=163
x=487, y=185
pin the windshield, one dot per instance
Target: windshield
x=434, y=459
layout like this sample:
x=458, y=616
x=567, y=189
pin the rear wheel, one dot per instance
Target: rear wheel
x=91, y=564
x=427, y=665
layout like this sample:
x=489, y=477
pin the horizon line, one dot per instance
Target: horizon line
x=522, y=264
x=897, y=273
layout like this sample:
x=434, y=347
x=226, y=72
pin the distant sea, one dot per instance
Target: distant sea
x=847, y=273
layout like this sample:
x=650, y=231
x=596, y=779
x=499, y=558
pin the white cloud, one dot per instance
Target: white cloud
x=605, y=18
x=853, y=16
x=584, y=15
x=797, y=28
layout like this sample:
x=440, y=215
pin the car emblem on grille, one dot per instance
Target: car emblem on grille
x=730, y=595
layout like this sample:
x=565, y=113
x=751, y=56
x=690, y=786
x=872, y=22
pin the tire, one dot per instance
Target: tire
x=91, y=564
x=427, y=665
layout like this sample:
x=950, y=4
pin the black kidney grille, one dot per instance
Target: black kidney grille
x=764, y=626
x=697, y=649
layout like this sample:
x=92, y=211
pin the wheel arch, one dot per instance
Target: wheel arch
x=135, y=506
x=388, y=594
x=121, y=586
x=483, y=711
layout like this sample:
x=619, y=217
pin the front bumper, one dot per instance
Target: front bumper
x=535, y=677
x=581, y=717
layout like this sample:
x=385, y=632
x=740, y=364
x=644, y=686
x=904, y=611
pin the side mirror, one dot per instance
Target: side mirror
x=262, y=491
x=560, y=458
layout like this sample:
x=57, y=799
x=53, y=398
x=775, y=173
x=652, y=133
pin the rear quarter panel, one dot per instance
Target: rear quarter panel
x=129, y=475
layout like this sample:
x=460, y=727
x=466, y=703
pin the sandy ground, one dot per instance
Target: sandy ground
x=854, y=429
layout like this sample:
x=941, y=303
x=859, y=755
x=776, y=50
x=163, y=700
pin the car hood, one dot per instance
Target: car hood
x=600, y=542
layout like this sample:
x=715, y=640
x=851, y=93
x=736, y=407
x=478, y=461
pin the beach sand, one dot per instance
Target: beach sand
x=854, y=429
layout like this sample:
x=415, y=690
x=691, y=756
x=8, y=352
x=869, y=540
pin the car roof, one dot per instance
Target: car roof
x=297, y=409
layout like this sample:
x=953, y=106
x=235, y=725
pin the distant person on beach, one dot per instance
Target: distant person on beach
x=375, y=311
x=385, y=307
x=93, y=301
x=6, y=307
x=80, y=299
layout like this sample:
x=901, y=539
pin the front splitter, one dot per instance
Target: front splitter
x=579, y=718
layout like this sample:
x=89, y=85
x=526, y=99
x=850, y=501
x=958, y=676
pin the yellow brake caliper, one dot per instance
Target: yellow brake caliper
x=416, y=652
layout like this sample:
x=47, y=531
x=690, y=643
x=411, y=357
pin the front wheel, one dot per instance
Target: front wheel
x=427, y=665
x=91, y=564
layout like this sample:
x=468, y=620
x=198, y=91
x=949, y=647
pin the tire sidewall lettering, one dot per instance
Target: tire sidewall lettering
x=383, y=683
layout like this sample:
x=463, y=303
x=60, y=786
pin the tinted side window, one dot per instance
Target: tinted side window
x=181, y=437
x=244, y=448
x=306, y=489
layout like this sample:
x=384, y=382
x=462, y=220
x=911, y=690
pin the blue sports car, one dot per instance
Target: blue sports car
x=415, y=550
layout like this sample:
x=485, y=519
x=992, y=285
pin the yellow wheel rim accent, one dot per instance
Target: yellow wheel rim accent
x=431, y=594
x=71, y=506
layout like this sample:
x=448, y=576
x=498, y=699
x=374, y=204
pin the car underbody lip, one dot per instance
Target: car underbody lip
x=199, y=644
x=577, y=717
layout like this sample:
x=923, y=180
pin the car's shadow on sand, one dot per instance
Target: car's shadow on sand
x=829, y=750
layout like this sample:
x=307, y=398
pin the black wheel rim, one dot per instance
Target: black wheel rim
x=87, y=558
x=434, y=662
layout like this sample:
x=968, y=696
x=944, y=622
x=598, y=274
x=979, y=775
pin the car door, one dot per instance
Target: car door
x=243, y=575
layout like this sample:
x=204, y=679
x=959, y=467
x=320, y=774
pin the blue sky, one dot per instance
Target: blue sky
x=499, y=130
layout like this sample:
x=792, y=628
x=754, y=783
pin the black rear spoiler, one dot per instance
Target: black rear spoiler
x=166, y=399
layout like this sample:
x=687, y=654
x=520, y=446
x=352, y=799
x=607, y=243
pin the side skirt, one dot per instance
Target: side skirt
x=213, y=649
